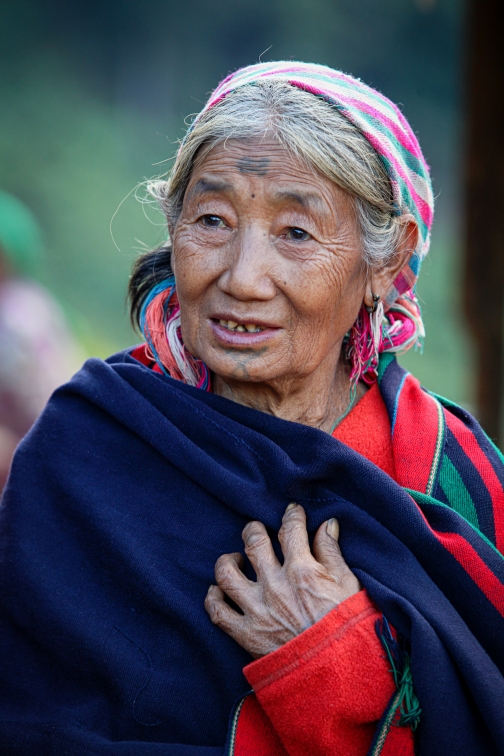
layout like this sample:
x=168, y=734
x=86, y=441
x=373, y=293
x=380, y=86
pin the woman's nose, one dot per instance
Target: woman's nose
x=249, y=266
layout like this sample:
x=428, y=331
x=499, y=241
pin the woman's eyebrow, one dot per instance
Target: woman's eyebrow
x=208, y=186
x=309, y=200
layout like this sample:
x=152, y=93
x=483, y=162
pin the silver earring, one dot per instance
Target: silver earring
x=376, y=313
x=372, y=308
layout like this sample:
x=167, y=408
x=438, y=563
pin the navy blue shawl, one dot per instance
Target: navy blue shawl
x=120, y=500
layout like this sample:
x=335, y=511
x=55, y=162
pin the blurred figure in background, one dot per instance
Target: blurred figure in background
x=37, y=351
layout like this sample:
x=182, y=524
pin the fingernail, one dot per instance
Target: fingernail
x=332, y=528
x=291, y=506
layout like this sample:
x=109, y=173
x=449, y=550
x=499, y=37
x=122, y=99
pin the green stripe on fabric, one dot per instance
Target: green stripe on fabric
x=456, y=492
x=234, y=726
x=363, y=89
x=422, y=498
x=385, y=359
x=441, y=435
x=449, y=404
x=381, y=737
x=406, y=196
x=410, y=160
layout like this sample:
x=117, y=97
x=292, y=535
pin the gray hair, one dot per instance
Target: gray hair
x=312, y=130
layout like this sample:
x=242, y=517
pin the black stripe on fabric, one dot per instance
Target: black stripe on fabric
x=469, y=599
x=474, y=483
x=390, y=383
x=484, y=442
x=438, y=492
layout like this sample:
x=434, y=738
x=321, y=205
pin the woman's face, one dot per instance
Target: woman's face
x=268, y=264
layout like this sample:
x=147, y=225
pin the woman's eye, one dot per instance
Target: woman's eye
x=212, y=221
x=297, y=234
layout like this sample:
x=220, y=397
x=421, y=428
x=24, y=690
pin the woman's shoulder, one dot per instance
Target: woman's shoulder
x=441, y=451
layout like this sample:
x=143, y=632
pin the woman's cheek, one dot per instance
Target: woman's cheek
x=197, y=248
x=187, y=262
x=193, y=275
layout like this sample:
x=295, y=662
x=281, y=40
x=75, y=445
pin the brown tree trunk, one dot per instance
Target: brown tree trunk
x=484, y=206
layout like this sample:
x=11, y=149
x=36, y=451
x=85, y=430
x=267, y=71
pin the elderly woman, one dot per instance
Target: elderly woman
x=266, y=403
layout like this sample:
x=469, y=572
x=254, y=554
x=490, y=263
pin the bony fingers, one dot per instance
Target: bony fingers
x=238, y=558
x=258, y=548
x=255, y=534
x=294, y=518
x=228, y=574
x=327, y=551
x=335, y=563
x=219, y=612
x=214, y=595
x=235, y=558
x=293, y=535
x=332, y=528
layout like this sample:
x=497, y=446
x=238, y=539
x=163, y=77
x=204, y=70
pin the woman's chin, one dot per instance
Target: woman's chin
x=243, y=367
x=239, y=371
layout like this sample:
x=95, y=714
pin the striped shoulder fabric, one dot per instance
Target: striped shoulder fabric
x=449, y=465
x=447, y=455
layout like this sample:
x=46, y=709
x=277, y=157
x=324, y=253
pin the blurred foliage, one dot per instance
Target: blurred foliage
x=445, y=366
x=94, y=96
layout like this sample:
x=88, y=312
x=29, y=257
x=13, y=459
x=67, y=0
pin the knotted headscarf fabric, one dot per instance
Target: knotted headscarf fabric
x=383, y=125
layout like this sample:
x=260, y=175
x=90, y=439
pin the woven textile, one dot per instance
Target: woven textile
x=132, y=484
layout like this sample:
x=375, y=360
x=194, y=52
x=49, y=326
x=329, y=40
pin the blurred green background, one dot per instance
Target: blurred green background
x=94, y=96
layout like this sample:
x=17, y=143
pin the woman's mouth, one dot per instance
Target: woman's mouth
x=231, y=325
x=232, y=333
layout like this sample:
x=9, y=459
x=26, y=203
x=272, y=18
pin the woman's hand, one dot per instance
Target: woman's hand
x=288, y=598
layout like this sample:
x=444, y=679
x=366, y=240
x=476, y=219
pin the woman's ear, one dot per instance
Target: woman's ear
x=382, y=279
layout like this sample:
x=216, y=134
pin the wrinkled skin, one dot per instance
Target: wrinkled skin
x=285, y=599
x=262, y=239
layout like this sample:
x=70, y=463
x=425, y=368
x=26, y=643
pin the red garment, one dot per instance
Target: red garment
x=325, y=690
x=366, y=429
x=143, y=355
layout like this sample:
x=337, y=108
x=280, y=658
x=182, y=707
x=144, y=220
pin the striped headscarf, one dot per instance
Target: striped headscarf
x=383, y=125
x=388, y=132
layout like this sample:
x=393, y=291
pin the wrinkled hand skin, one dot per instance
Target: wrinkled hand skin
x=286, y=599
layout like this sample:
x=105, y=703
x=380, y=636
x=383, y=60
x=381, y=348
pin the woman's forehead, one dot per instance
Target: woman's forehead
x=238, y=163
x=248, y=156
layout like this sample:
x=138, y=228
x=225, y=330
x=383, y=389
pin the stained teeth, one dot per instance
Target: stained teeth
x=231, y=325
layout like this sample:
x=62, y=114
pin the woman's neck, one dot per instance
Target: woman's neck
x=318, y=400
